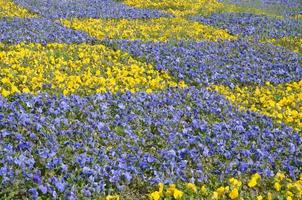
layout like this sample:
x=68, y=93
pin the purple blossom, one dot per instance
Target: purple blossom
x=168, y=136
x=229, y=63
x=38, y=30
x=258, y=26
x=87, y=9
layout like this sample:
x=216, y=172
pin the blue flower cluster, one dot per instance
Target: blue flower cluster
x=259, y=26
x=38, y=30
x=87, y=8
x=83, y=146
x=229, y=62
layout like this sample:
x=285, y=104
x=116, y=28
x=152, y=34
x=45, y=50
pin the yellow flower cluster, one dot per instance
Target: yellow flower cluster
x=157, y=194
x=172, y=191
x=113, y=197
x=298, y=16
x=178, y=7
x=292, y=43
x=181, y=8
x=9, y=9
x=161, y=29
x=81, y=69
x=254, y=180
x=282, y=102
x=278, y=187
x=232, y=191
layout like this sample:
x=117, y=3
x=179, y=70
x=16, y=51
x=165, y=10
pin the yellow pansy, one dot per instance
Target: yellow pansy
x=277, y=186
x=191, y=7
x=75, y=69
x=192, y=187
x=253, y=180
x=269, y=196
x=177, y=194
x=235, y=182
x=215, y=195
x=113, y=197
x=298, y=16
x=220, y=190
x=161, y=188
x=5, y=93
x=256, y=176
x=292, y=43
x=252, y=183
x=289, y=186
x=203, y=189
x=163, y=29
x=179, y=7
x=289, y=193
x=279, y=176
x=10, y=9
x=234, y=193
x=282, y=102
x=155, y=195
x=171, y=189
x=259, y=197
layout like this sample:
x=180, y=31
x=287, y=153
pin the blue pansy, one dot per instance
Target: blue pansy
x=177, y=134
x=87, y=9
x=38, y=30
x=229, y=62
x=258, y=26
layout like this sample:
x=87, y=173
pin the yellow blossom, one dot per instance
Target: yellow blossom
x=289, y=193
x=277, y=186
x=76, y=69
x=259, y=197
x=10, y=9
x=215, y=195
x=161, y=188
x=253, y=180
x=182, y=8
x=203, y=189
x=279, y=176
x=155, y=195
x=292, y=43
x=234, y=193
x=192, y=187
x=269, y=196
x=139, y=29
x=182, y=84
x=220, y=190
x=235, y=182
x=149, y=91
x=252, y=183
x=177, y=194
x=179, y=7
x=113, y=197
x=290, y=185
x=5, y=93
x=282, y=102
x=171, y=189
x=256, y=176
